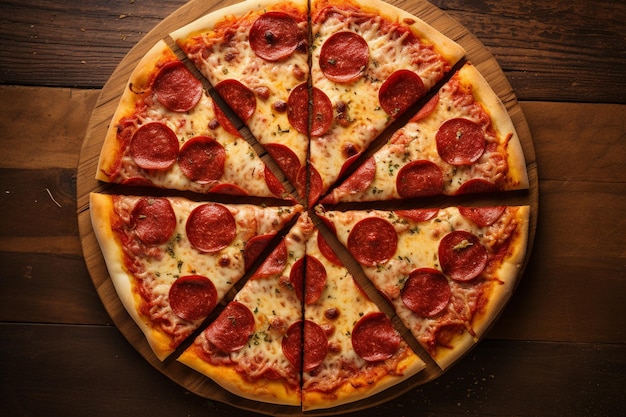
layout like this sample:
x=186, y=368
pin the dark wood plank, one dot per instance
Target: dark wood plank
x=38, y=202
x=578, y=142
x=72, y=43
x=54, y=137
x=97, y=373
x=552, y=49
x=547, y=50
x=48, y=288
x=576, y=272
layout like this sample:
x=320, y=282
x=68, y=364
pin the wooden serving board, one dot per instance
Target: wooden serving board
x=86, y=183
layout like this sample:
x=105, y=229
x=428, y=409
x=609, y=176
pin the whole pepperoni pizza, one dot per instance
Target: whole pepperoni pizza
x=287, y=212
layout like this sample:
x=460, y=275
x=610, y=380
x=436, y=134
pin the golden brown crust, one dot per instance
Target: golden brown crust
x=274, y=392
x=356, y=388
x=502, y=285
x=101, y=211
x=139, y=81
x=450, y=50
x=517, y=177
x=211, y=20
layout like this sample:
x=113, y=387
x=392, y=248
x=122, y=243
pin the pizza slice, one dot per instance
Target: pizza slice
x=167, y=132
x=462, y=141
x=256, y=57
x=353, y=349
x=370, y=63
x=172, y=260
x=253, y=348
x=447, y=272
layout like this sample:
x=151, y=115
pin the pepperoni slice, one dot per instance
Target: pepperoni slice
x=224, y=121
x=192, y=297
x=460, y=141
x=482, y=216
x=349, y=162
x=298, y=110
x=286, y=159
x=322, y=113
x=211, y=227
x=275, y=262
x=476, y=186
x=461, y=255
x=274, y=36
x=153, y=220
x=315, y=281
x=177, y=88
x=232, y=328
x=373, y=241
x=254, y=247
x=419, y=179
x=374, y=338
x=362, y=178
x=344, y=57
x=418, y=215
x=228, y=189
x=315, y=345
x=400, y=91
x=154, y=146
x=239, y=97
x=292, y=344
x=327, y=251
x=274, y=185
x=427, y=109
x=315, y=185
x=202, y=159
x=426, y=292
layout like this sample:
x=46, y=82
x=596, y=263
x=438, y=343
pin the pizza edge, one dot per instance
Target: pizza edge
x=101, y=210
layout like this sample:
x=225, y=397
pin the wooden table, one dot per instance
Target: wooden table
x=558, y=349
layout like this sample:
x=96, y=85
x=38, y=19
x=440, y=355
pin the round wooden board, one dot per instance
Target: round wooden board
x=86, y=183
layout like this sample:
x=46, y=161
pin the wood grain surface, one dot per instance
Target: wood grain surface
x=559, y=348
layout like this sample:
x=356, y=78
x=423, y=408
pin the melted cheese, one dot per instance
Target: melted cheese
x=417, y=141
x=417, y=247
x=242, y=167
x=155, y=269
x=367, y=118
x=275, y=306
x=220, y=60
x=342, y=294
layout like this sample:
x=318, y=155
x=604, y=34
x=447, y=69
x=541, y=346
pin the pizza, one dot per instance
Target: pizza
x=167, y=132
x=370, y=63
x=241, y=222
x=447, y=272
x=362, y=353
x=265, y=348
x=254, y=348
x=172, y=260
x=461, y=142
x=255, y=54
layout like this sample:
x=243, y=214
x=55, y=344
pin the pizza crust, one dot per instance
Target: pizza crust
x=517, y=177
x=274, y=392
x=101, y=210
x=499, y=293
x=450, y=50
x=139, y=80
x=355, y=389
